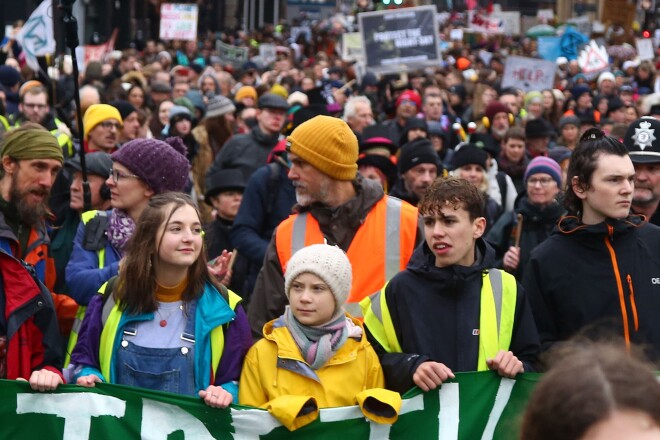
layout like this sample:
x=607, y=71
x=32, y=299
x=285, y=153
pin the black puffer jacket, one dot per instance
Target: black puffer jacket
x=435, y=312
x=603, y=278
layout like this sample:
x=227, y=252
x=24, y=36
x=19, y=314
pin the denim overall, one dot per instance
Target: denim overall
x=159, y=369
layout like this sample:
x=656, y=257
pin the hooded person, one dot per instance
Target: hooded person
x=320, y=352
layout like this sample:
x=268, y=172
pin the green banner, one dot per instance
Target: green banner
x=473, y=406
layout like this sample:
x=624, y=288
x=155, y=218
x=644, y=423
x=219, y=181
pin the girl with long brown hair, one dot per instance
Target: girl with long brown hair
x=165, y=323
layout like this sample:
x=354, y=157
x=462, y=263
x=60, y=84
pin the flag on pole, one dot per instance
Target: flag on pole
x=36, y=37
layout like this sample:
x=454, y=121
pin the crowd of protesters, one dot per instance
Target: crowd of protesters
x=217, y=188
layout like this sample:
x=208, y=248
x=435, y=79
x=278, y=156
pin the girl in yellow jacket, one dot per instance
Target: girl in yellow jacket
x=315, y=355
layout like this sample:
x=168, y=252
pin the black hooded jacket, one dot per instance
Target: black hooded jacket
x=600, y=279
x=435, y=312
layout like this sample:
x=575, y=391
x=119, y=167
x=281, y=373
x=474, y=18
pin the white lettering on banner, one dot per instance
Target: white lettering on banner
x=250, y=424
x=655, y=280
x=501, y=399
x=160, y=420
x=448, y=417
x=77, y=409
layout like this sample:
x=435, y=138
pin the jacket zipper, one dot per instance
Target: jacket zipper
x=619, y=285
x=632, y=301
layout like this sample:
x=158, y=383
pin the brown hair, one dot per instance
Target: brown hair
x=584, y=161
x=219, y=131
x=455, y=192
x=138, y=295
x=515, y=133
x=588, y=383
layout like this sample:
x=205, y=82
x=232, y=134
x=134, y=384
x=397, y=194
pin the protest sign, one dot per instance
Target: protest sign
x=236, y=56
x=400, y=39
x=89, y=52
x=510, y=21
x=621, y=12
x=351, y=47
x=645, y=48
x=121, y=412
x=593, y=59
x=178, y=21
x=456, y=34
x=267, y=53
x=528, y=73
x=479, y=22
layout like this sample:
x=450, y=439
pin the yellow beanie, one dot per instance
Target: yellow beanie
x=246, y=92
x=279, y=89
x=98, y=113
x=328, y=144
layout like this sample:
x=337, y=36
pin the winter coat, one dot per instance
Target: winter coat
x=217, y=239
x=435, y=312
x=28, y=321
x=267, y=200
x=537, y=225
x=246, y=152
x=600, y=279
x=276, y=377
x=85, y=274
x=338, y=226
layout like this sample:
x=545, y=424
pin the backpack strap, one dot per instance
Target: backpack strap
x=501, y=182
x=274, y=175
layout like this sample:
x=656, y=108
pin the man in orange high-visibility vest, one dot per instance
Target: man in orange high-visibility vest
x=336, y=206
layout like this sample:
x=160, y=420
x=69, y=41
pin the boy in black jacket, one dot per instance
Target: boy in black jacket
x=449, y=311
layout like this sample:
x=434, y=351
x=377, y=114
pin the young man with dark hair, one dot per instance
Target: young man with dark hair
x=449, y=311
x=597, y=273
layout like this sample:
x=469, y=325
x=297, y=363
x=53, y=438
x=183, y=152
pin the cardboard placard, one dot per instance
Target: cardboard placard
x=178, y=21
x=528, y=73
x=400, y=39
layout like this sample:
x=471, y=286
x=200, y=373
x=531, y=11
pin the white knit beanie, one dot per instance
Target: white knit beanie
x=326, y=262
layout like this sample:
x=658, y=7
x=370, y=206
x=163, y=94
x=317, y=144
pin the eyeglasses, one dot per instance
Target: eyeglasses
x=110, y=124
x=35, y=106
x=544, y=181
x=408, y=102
x=118, y=175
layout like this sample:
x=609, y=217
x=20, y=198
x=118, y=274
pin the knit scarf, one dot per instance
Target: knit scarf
x=317, y=344
x=516, y=169
x=120, y=228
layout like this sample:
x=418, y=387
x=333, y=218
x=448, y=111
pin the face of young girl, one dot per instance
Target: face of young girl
x=311, y=300
x=180, y=239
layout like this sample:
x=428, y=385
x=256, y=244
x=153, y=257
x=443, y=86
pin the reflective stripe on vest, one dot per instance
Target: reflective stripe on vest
x=5, y=123
x=80, y=313
x=496, y=318
x=387, y=234
x=111, y=316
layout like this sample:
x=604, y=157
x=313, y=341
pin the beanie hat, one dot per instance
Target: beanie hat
x=161, y=165
x=125, y=108
x=559, y=154
x=469, y=154
x=97, y=113
x=185, y=102
x=328, y=144
x=542, y=164
x=411, y=124
x=180, y=111
x=410, y=95
x=569, y=120
x=326, y=262
x=246, y=92
x=9, y=76
x=30, y=141
x=533, y=97
x=605, y=76
x=297, y=98
x=494, y=108
x=219, y=105
x=416, y=152
x=27, y=85
x=280, y=90
x=580, y=90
